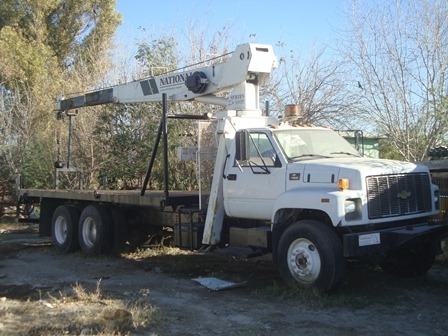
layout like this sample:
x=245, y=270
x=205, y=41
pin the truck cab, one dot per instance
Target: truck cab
x=325, y=203
x=315, y=168
x=276, y=165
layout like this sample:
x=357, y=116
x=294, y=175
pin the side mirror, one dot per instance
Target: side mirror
x=242, y=145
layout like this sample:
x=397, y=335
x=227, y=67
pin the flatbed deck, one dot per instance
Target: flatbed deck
x=152, y=198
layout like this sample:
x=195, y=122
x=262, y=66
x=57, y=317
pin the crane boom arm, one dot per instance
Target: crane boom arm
x=248, y=67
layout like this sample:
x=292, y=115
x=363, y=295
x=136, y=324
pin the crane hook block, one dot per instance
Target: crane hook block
x=196, y=82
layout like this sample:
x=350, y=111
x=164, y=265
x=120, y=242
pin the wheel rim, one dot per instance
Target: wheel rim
x=60, y=230
x=89, y=232
x=304, y=261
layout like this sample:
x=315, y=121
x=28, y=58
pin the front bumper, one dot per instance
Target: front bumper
x=382, y=241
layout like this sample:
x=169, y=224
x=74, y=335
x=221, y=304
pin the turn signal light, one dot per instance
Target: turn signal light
x=343, y=184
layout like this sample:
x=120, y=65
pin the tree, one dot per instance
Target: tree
x=397, y=54
x=316, y=83
x=127, y=136
x=46, y=48
x=128, y=131
x=22, y=149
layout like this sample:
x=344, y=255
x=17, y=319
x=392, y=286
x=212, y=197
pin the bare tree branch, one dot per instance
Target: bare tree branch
x=397, y=51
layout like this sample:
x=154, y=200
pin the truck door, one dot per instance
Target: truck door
x=251, y=186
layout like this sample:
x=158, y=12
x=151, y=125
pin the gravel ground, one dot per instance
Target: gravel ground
x=151, y=292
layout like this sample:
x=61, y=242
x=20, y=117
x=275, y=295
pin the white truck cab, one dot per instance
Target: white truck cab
x=324, y=203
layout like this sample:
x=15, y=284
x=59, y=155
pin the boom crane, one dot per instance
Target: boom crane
x=297, y=191
x=248, y=67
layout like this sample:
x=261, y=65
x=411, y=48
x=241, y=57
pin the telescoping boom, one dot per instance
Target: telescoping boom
x=248, y=66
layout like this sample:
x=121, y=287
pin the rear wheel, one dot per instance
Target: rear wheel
x=410, y=263
x=95, y=230
x=310, y=255
x=64, y=228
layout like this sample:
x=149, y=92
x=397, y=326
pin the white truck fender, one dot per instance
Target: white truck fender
x=318, y=198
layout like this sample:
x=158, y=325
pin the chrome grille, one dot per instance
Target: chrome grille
x=398, y=195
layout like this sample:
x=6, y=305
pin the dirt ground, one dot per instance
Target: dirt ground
x=151, y=292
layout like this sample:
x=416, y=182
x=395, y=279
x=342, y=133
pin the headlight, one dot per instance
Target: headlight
x=349, y=206
x=353, y=209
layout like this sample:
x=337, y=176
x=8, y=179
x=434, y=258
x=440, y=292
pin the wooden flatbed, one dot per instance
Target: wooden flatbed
x=132, y=214
x=120, y=197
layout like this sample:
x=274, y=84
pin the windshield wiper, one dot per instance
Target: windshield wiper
x=307, y=155
x=348, y=153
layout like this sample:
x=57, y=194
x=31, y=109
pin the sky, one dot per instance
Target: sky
x=297, y=23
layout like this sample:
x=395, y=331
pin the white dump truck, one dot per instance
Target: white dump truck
x=299, y=192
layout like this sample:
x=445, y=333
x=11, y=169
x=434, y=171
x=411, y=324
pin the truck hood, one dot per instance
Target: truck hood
x=355, y=169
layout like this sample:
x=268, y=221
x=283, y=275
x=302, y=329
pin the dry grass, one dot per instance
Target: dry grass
x=157, y=251
x=83, y=295
x=72, y=313
x=9, y=224
x=144, y=314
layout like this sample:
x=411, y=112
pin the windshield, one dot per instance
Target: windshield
x=309, y=143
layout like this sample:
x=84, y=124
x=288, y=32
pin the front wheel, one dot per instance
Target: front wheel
x=310, y=255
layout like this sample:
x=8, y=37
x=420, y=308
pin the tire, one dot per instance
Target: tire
x=410, y=263
x=120, y=230
x=310, y=255
x=64, y=228
x=95, y=230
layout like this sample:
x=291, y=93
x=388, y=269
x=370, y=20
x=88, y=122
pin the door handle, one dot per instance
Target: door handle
x=231, y=177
